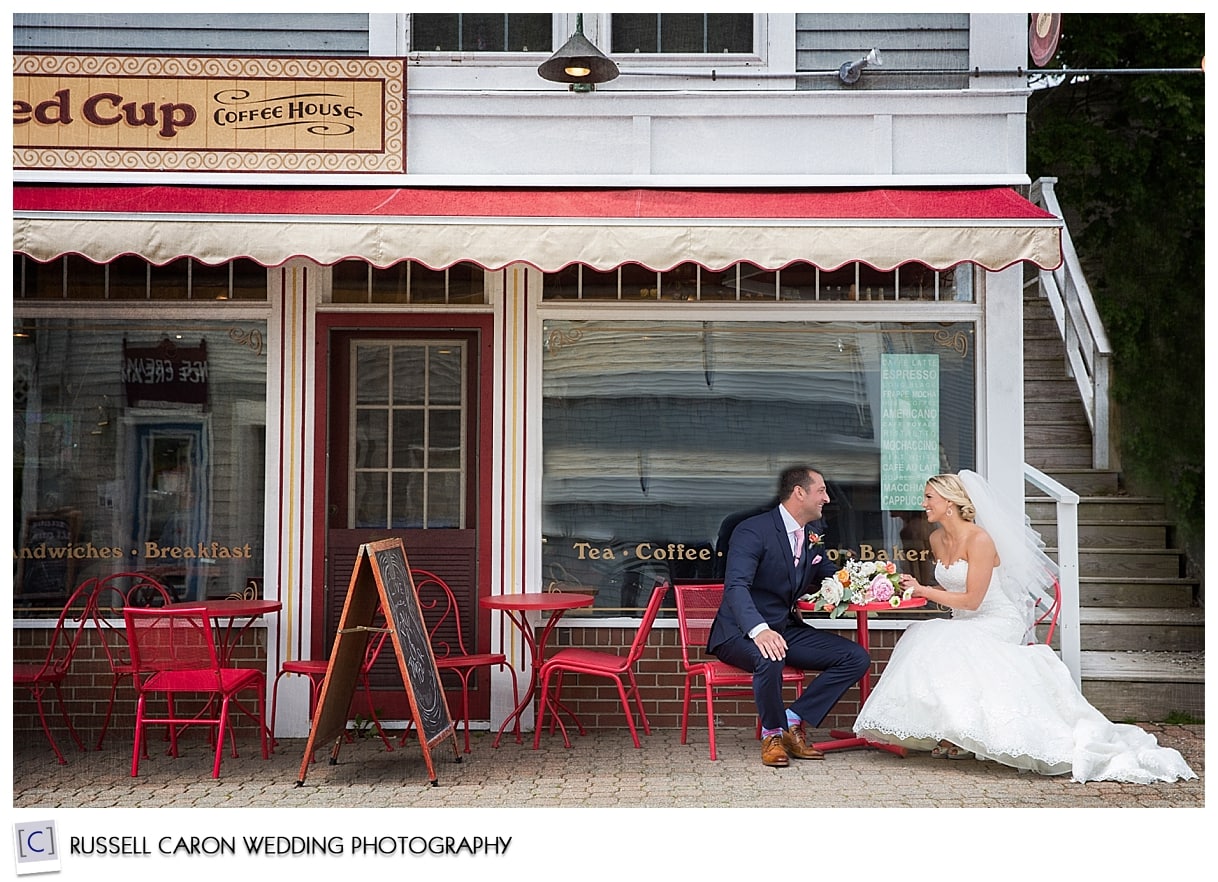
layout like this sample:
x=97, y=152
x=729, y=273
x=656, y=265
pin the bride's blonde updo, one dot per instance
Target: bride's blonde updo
x=951, y=488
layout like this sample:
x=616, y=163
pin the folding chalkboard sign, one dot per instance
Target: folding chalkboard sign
x=381, y=577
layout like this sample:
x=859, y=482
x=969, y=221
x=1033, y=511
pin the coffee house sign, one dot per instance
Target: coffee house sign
x=206, y=114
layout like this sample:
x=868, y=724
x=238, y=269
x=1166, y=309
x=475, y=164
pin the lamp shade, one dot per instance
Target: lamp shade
x=578, y=61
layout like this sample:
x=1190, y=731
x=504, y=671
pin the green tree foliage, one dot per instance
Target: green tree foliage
x=1129, y=155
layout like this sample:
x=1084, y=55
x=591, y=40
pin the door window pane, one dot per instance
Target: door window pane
x=409, y=433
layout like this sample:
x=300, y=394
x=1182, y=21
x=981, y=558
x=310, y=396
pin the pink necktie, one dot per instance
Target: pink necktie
x=799, y=544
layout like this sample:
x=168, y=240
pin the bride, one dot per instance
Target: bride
x=972, y=685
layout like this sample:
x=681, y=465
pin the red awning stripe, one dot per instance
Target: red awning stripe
x=991, y=203
x=993, y=227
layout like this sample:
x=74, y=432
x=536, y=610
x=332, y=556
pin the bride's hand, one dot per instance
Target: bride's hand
x=908, y=582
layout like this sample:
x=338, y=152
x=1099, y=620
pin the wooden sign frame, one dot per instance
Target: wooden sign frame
x=381, y=577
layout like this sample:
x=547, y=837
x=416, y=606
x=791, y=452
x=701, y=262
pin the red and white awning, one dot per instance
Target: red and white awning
x=993, y=227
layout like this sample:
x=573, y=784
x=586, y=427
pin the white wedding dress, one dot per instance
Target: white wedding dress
x=972, y=681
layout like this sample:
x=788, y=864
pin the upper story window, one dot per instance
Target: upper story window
x=482, y=32
x=696, y=33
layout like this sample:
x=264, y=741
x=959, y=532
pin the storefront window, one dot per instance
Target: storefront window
x=137, y=445
x=657, y=433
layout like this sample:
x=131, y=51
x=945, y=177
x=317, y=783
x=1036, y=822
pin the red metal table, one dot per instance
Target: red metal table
x=844, y=740
x=517, y=608
x=231, y=619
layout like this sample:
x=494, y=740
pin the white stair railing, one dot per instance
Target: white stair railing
x=1088, y=352
x=1068, y=627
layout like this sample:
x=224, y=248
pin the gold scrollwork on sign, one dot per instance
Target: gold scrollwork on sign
x=558, y=338
x=251, y=338
x=958, y=341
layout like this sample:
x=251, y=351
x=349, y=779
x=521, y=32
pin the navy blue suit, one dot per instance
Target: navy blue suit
x=762, y=584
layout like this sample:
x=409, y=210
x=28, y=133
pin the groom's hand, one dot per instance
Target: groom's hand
x=771, y=644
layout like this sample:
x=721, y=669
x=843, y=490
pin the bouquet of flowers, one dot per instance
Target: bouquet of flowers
x=859, y=582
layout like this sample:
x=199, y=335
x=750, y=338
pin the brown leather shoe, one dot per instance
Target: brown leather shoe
x=773, y=753
x=793, y=743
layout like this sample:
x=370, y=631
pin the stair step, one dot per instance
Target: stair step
x=1122, y=562
x=1047, y=458
x=1115, y=508
x=1139, y=686
x=1139, y=628
x=1049, y=390
x=1059, y=410
x=1084, y=482
x=1151, y=667
x=1036, y=326
x=1107, y=534
x=1134, y=592
x=1045, y=434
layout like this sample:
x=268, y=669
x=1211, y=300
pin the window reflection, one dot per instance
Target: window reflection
x=138, y=445
x=655, y=433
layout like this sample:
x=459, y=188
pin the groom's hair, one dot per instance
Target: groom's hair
x=795, y=476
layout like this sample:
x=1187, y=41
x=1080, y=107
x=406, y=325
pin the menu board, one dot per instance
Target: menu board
x=45, y=566
x=381, y=577
x=909, y=428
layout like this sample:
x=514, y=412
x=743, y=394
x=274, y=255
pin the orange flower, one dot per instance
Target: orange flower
x=843, y=577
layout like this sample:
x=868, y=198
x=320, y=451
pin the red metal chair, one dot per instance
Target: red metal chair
x=50, y=673
x=115, y=593
x=442, y=614
x=1047, y=612
x=173, y=652
x=696, y=609
x=577, y=660
x=315, y=669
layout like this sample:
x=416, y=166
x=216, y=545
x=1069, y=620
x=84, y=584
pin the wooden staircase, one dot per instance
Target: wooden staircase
x=1142, y=625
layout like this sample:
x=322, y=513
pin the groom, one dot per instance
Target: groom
x=771, y=561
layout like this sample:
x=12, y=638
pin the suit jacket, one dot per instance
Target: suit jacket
x=762, y=582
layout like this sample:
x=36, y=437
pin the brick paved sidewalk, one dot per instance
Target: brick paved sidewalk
x=601, y=769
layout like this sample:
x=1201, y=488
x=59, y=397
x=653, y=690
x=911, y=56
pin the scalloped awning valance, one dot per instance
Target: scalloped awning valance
x=993, y=227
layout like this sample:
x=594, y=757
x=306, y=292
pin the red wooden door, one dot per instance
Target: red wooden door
x=405, y=410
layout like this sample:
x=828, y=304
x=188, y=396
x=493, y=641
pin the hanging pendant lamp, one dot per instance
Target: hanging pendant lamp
x=578, y=63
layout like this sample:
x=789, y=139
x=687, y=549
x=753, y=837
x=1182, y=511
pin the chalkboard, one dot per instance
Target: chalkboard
x=45, y=568
x=381, y=578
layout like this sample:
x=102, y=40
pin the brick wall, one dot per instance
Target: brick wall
x=86, y=691
x=660, y=675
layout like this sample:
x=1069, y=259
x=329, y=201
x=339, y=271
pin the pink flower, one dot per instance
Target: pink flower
x=880, y=588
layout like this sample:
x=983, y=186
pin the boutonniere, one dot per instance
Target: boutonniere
x=814, y=539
